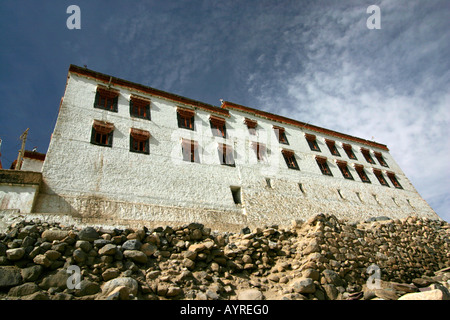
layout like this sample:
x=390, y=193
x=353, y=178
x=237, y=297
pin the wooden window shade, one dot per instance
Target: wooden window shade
x=323, y=165
x=190, y=150
x=367, y=156
x=106, y=99
x=289, y=157
x=103, y=127
x=140, y=135
x=281, y=134
x=361, y=173
x=260, y=150
x=139, y=107
x=332, y=146
x=102, y=133
x=139, y=140
x=312, y=142
x=380, y=177
x=349, y=151
x=344, y=170
x=218, y=126
x=251, y=124
x=380, y=159
x=226, y=155
x=185, y=118
x=394, y=180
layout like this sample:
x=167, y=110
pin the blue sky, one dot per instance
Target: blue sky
x=314, y=61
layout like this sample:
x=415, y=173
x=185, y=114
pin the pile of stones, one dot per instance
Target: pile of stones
x=322, y=258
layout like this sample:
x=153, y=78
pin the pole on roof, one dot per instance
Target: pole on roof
x=22, y=150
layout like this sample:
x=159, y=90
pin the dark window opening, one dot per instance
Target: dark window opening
x=380, y=178
x=236, y=193
x=139, y=108
x=380, y=159
x=394, y=180
x=289, y=157
x=281, y=135
x=269, y=183
x=349, y=151
x=332, y=147
x=139, y=141
x=226, y=155
x=367, y=156
x=260, y=150
x=102, y=133
x=312, y=142
x=218, y=126
x=344, y=170
x=106, y=99
x=185, y=118
x=362, y=174
x=323, y=165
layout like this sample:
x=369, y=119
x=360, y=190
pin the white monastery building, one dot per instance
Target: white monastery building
x=123, y=152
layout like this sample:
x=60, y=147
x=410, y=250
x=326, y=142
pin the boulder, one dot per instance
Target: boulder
x=135, y=255
x=133, y=244
x=304, y=285
x=54, y=234
x=15, y=254
x=250, y=294
x=9, y=277
x=88, y=234
x=128, y=282
x=435, y=294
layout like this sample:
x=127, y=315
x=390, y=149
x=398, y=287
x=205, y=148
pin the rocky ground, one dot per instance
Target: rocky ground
x=322, y=259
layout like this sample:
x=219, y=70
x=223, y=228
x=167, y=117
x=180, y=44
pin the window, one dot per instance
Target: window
x=236, y=193
x=332, y=146
x=139, y=141
x=217, y=126
x=269, y=183
x=185, y=118
x=312, y=142
x=289, y=157
x=226, y=155
x=106, y=99
x=367, y=156
x=362, y=174
x=102, y=133
x=260, y=150
x=380, y=159
x=251, y=125
x=139, y=107
x=344, y=170
x=281, y=135
x=323, y=165
x=190, y=151
x=394, y=180
x=349, y=151
x=380, y=177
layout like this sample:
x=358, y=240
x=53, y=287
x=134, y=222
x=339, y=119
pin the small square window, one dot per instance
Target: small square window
x=139, y=141
x=139, y=107
x=251, y=125
x=190, y=151
x=344, y=170
x=218, y=126
x=289, y=157
x=236, y=194
x=185, y=118
x=332, y=147
x=323, y=165
x=380, y=159
x=260, y=150
x=380, y=177
x=394, y=180
x=349, y=151
x=226, y=155
x=281, y=135
x=106, y=99
x=367, y=156
x=362, y=174
x=102, y=133
x=312, y=142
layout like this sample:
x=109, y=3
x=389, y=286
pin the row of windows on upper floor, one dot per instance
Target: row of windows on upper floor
x=102, y=134
x=140, y=107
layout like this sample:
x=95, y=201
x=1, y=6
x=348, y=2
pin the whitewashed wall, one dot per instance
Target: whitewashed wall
x=113, y=183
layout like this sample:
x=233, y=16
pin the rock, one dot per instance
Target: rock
x=31, y=273
x=87, y=288
x=133, y=244
x=331, y=292
x=422, y=283
x=173, y=291
x=197, y=247
x=88, y=234
x=331, y=277
x=128, y=282
x=152, y=275
x=42, y=260
x=304, y=285
x=312, y=247
x=435, y=294
x=149, y=249
x=386, y=294
x=9, y=277
x=54, y=234
x=79, y=255
x=15, y=254
x=108, y=249
x=273, y=277
x=52, y=254
x=250, y=294
x=119, y=293
x=57, y=279
x=23, y=290
x=188, y=254
x=84, y=245
x=135, y=255
x=311, y=273
x=110, y=273
x=39, y=295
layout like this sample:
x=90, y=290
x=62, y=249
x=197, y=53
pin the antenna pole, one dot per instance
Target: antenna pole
x=22, y=150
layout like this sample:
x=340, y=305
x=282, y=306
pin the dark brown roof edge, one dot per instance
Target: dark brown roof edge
x=139, y=87
x=274, y=117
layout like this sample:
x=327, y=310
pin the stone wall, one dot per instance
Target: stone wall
x=322, y=258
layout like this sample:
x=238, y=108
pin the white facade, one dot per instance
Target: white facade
x=115, y=184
